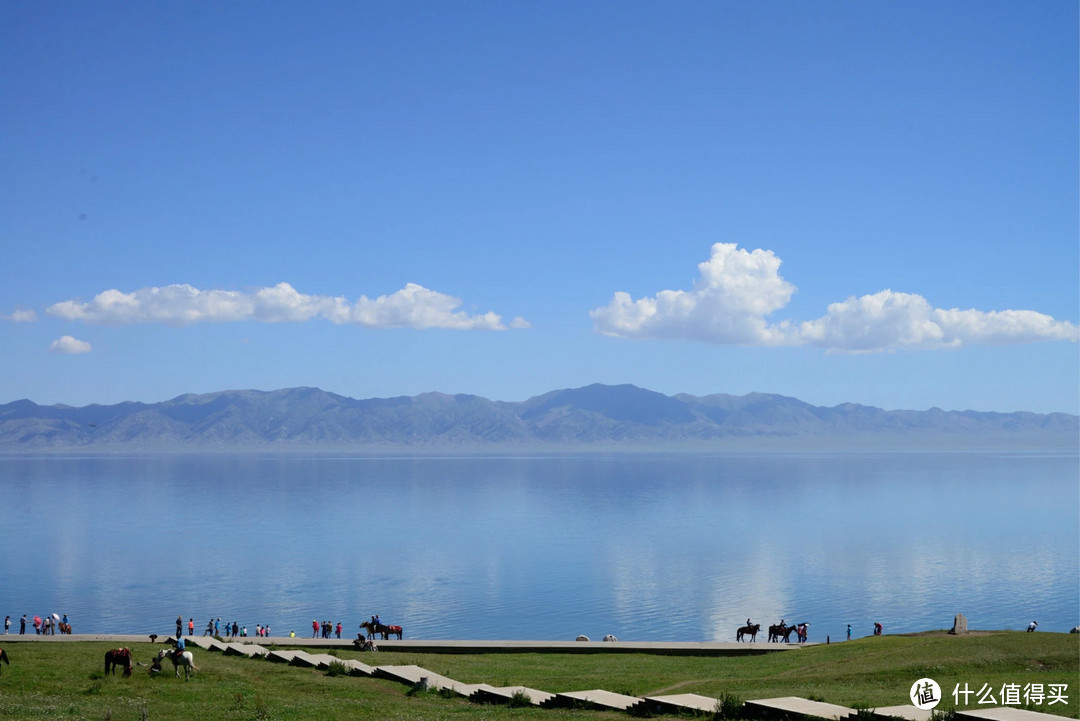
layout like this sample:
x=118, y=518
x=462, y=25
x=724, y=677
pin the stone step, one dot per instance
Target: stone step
x=305, y=659
x=907, y=712
x=356, y=668
x=1004, y=713
x=677, y=703
x=793, y=706
x=250, y=650
x=596, y=698
x=503, y=694
x=415, y=675
x=323, y=660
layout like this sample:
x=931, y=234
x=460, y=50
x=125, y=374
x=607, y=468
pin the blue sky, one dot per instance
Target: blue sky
x=866, y=202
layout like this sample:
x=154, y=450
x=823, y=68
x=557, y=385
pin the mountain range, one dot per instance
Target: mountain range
x=595, y=416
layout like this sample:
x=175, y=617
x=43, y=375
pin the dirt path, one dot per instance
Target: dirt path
x=676, y=687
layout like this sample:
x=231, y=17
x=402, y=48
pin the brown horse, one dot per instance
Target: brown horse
x=118, y=657
x=374, y=629
x=750, y=631
x=65, y=628
x=3, y=657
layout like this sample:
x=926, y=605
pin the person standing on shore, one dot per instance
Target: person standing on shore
x=22, y=625
x=7, y=624
x=849, y=632
x=191, y=627
x=179, y=626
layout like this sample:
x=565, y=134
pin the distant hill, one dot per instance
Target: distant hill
x=623, y=416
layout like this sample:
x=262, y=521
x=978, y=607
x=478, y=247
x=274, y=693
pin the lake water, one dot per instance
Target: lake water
x=647, y=547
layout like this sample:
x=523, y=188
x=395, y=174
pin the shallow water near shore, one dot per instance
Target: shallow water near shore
x=674, y=547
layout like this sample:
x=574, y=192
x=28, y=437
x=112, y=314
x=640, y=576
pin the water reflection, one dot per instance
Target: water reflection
x=645, y=547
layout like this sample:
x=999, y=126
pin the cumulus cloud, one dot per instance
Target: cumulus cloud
x=888, y=320
x=414, y=306
x=20, y=315
x=728, y=303
x=737, y=290
x=67, y=344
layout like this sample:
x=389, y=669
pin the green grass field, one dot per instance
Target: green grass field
x=66, y=680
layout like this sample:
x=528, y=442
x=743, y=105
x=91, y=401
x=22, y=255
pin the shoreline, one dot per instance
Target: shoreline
x=662, y=648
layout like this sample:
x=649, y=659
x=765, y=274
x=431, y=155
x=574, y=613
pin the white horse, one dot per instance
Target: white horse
x=186, y=660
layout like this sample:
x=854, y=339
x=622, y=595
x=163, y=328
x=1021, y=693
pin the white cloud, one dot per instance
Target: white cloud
x=20, y=315
x=737, y=291
x=888, y=320
x=414, y=306
x=67, y=344
x=728, y=303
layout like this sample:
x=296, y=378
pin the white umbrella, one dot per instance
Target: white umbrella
x=56, y=616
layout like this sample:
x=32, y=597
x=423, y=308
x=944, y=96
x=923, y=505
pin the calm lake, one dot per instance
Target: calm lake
x=680, y=547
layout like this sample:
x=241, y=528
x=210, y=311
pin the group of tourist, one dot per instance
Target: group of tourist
x=43, y=626
x=214, y=628
x=319, y=629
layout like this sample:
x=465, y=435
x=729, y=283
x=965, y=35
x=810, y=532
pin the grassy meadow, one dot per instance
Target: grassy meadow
x=65, y=680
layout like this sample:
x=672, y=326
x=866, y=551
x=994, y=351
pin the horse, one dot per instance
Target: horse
x=780, y=632
x=4, y=657
x=750, y=631
x=118, y=657
x=186, y=660
x=374, y=629
x=65, y=628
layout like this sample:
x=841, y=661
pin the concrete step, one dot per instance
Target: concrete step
x=356, y=668
x=677, y=703
x=788, y=707
x=907, y=712
x=1005, y=713
x=320, y=660
x=206, y=643
x=503, y=694
x=250, y=650
x=596, y=698
x=282, y=656
x=305, y=659
x=415, y=675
